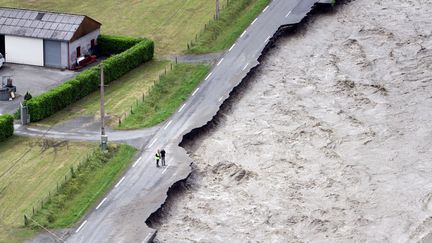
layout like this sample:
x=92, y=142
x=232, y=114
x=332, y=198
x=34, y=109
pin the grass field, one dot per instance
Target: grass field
x=171, y=23
x=92, y=180
x=166, y=96
x=120, y=95
x=29, y=169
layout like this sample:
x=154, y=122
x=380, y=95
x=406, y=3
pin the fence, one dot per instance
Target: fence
x=39, y=205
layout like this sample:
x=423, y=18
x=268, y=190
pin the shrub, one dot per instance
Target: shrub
x=6, y=127
x=109, y=45
x=118, y=65
x=27, y=96
x=88, y=81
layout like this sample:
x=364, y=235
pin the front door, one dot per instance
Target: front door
x=52, y=53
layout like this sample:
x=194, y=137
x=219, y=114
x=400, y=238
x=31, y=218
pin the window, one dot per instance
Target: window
x=39, y=16
x=92, y=43
x=78, y=51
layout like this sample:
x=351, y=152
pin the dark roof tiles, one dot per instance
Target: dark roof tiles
x=23, y=22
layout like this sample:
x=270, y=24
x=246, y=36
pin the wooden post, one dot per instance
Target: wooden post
x=104, y=138
x=217, y=9
x=102, y=101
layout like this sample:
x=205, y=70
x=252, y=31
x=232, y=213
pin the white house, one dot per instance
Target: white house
x=46, y=38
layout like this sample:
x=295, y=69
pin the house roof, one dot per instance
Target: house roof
x=41, y=24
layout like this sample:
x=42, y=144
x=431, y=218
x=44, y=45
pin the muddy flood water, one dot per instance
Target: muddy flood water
x=330, y=140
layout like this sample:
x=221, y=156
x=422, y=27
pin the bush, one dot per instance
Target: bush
x=118, y=65
x=6, y=127
x=109, y=45
x=88, y=81
x=27, y=96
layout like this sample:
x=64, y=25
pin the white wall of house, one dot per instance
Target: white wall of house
x=85, y=44
x=24, y=50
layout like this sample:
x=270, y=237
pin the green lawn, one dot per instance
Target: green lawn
x=120, y=95
x=29, y=169
x=166, y=96
x=90, y=181
x=171, y=23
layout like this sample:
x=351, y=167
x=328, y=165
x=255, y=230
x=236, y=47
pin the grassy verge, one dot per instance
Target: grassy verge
x=166, y=96
x=222, y=33
x=91, y=180
x=120, y=95
x=29, y=169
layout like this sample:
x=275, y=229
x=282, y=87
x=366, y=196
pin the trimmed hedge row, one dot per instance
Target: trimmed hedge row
x=88, y=81
x=6, y=127
x=109, y=44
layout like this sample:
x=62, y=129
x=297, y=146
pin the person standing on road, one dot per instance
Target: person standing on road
x=157, y=157
x=162, y=153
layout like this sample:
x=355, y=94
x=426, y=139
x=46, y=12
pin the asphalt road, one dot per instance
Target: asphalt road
x=121, y=215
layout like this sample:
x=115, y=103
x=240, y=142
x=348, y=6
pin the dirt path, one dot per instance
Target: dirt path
x=330, y=142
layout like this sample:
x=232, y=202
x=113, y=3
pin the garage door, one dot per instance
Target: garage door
x=52, y=53
x=24, y=50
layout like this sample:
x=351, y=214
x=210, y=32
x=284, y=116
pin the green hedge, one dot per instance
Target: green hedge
x=109, y=44
x=88, y=81
x=6, y=127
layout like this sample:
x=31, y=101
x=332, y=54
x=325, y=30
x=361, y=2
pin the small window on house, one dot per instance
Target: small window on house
x=39, y=16
x=78, y=51
x=92, y=43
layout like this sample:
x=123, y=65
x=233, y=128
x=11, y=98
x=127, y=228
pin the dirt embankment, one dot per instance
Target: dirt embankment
x=329, y=142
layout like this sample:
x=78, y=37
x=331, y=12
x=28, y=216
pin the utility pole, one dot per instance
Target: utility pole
x=104, y=138
x=217, y=9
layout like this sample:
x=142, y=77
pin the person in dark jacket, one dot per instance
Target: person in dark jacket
x=162, y=153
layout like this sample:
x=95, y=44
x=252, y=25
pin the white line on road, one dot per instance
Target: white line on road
x=244, y=32
x=167, y=125
x=136, y=162
x=220, y=98
x=100, y=204
x=232, y=47
x=286, y=16
x=208, y=76
x=195, y=92
x=152, y=143
x=268, y=38
x=165, y=169
x=221, y=60
x=145, y=240
x=118, y=183
x=82, y=225
x=254, y=21
x=265, y=9
x=245, y=66
x=181, y=108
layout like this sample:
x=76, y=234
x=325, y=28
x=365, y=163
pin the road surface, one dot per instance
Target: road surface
x=121, y=215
